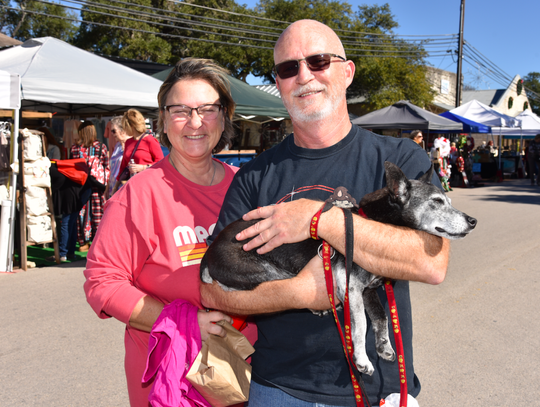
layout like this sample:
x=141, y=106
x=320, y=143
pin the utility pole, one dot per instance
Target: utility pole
x=460, y=54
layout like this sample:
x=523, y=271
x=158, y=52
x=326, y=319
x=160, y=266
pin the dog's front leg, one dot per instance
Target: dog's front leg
x=379, y=321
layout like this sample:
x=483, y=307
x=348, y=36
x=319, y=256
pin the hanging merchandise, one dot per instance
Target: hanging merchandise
x=5, y=135
x=33, y=147
x=36, y=204
x=39, y=229
x=37, y=173
x=36, y=201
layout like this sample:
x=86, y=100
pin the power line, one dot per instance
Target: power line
x=134, y=12
x=139, y=30
x=160, y=15
x=372, y=46
x=407, y=53
x=423, y=43
x=169, y=35
x=178, y=2
x=480, y=56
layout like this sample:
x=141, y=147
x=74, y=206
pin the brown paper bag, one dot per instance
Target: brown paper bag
x=220, y=372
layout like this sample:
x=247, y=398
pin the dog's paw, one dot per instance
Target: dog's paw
x=321, y=313
x=363, y=364
x=385, y=351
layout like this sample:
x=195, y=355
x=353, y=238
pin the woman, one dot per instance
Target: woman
x=142, y=148
x=119, y=137
x=168, y=211
x=86, y=146
x=416, y=136
x=52, y=147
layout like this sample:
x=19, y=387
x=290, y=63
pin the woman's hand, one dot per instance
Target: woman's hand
x=136, y=168
x=207, y=324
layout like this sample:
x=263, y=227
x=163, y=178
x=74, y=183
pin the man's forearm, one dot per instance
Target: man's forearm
x=306, y=290
x=390, y=251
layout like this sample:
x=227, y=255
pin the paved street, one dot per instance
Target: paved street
x=476, y=336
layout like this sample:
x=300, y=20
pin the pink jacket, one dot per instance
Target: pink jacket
x=174, y=343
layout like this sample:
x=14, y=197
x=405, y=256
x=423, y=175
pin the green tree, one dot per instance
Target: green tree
x=531, y=83
x=32, y=19
x=125, y=30
x=387, y=69
x=234, y=38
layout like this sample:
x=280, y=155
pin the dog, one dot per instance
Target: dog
x=416, y=204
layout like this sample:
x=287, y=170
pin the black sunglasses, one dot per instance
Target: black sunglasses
x=315, y=63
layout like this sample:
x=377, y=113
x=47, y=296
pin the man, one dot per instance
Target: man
x=299, y=358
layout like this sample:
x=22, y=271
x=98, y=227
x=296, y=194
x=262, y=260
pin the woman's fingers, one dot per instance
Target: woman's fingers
x=207, y=323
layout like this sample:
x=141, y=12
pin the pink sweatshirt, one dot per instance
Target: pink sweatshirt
x=175, y=342
x=150, y=241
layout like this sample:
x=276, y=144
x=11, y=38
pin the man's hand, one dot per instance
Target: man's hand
x=287, y=222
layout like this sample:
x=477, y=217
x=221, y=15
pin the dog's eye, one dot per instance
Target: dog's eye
x=438, y=201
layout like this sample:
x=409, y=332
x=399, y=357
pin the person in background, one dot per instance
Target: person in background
x=533, y=158
x=54, y=150
x=417, y=136
x=167, y=212
x=494, y=151
x=118, y=138
x=86, y=145
x=299, y=358
x=148, y=151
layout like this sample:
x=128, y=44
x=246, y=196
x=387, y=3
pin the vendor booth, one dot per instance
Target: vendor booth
x=485, y=163
x=64, y=83
x=404, y=115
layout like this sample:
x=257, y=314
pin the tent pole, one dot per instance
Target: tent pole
x=460, y=54
x=13, y=187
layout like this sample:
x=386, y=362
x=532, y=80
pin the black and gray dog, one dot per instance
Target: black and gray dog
x=416, y=204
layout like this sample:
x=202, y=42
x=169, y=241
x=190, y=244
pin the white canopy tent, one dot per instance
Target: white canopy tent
x=481, y=113
x=530, y=126
x=58, y=77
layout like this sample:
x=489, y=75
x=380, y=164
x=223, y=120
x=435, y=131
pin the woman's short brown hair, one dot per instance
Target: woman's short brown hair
x=217, y=77
x=86, y=134
x=133, y=122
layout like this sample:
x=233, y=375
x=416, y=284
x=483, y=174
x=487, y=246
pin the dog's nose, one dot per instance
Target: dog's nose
x=471, y=221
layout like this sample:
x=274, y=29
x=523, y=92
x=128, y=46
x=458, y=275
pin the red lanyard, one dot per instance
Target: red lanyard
x=403, y=393
x=346, y=339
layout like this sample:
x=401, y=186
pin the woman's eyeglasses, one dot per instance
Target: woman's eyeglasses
x=315, y=63
x=182, y=112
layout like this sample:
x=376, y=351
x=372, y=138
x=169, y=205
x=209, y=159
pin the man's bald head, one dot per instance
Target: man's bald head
x=308, y=31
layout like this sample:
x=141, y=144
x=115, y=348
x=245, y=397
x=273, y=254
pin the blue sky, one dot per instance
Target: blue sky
x=505, y=32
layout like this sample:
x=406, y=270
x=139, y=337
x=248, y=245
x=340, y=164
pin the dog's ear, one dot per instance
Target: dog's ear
x=397, y=183
x=427, y=176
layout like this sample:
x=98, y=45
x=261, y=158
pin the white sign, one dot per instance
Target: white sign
x=445, y=86
x=10, y=90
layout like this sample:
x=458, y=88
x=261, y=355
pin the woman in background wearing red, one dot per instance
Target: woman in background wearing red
x=148, y=149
